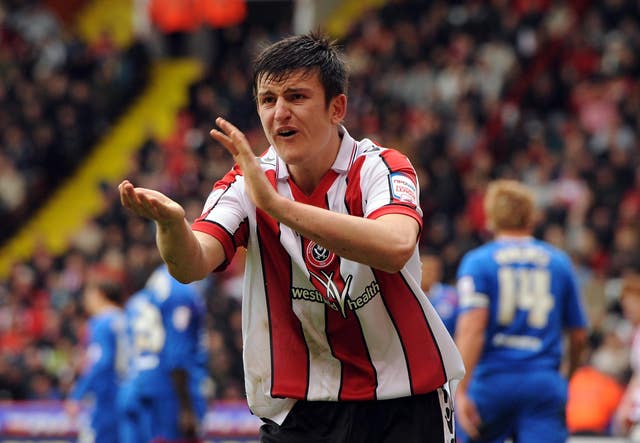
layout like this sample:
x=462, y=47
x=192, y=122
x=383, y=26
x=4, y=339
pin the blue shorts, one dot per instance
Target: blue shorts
x=526, y=406
x=133, y=423
x=163, y=414
x=104, y=421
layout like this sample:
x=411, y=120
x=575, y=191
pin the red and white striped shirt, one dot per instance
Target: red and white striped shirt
x=317, y=326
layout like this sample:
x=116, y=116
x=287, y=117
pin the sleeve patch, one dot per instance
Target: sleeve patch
x=469, y=298
x=403, y=188
x=94, y=353
x=181, y=318
x=160, y=284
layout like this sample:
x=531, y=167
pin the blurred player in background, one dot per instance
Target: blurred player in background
x=134, y=424
x=340, y=342
x=442, y=296
x=164, y=398
x=627, y=419
x=517, y=296
x=105, y=360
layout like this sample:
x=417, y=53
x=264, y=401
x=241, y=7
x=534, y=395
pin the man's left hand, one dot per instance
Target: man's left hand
x=258, y=188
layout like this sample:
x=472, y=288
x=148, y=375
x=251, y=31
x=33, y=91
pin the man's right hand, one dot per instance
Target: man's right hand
x=151, y=204
x=467, y=415
x=188, y=423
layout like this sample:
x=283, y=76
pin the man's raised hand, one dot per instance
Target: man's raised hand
x=258, y=188
x=150, y=204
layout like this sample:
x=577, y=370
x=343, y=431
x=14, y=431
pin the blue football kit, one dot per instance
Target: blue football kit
x=444, y=299
x=134, y=422
x=166, y=323
x=531, y=293
x=106, y=365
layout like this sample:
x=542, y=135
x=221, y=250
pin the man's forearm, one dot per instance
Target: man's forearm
x=181, y=251
x=469, y=337
x=470, y=348
x=188, y=423
x=180, y=379
x=577, y=343
x=380, y=244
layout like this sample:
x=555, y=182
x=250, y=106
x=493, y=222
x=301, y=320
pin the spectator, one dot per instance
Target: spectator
x=593, y=398
x=51, y=107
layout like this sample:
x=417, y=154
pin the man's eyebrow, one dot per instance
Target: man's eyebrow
x=294, y=90
x=262, y=92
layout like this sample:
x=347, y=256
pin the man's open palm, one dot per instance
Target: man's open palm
x=151, y=204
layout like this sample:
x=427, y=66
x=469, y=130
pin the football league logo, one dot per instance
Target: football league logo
x=403, y=188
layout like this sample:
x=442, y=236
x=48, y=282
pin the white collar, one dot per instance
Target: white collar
x=342, y=163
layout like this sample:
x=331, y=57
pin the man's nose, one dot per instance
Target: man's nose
x=282, y=109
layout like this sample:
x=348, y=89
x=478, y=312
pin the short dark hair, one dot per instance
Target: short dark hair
x=306, y=52
x=111, y=289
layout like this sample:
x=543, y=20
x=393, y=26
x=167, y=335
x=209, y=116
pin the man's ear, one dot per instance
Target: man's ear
x=338, y=108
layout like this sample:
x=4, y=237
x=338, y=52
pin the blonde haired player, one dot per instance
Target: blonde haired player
x=517, y=297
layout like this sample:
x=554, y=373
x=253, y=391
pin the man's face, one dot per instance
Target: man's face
x=295, y=116
x=91, y=299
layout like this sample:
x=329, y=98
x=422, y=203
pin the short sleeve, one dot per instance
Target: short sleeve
x=225, y=214
x=472, y=287
x=390, y=186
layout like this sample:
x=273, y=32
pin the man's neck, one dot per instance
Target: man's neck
x=513, y=233
x=105, y=307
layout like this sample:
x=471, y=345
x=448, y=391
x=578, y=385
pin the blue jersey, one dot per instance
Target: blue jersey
x=132, y=425
x=105, y=367
x=106, y=359
x=166, y=321
x=168, y=327
x=444, y=299
x=531, y=292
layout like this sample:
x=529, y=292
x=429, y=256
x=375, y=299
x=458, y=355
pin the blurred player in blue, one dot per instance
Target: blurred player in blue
x=105, y=360
x=134, y=423
x=517, y=297
x=442, y=296
x=164, y=396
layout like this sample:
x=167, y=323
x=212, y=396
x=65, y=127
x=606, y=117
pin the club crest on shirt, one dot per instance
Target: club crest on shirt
x=331, y=287
x=319, y=256
x=403, y=188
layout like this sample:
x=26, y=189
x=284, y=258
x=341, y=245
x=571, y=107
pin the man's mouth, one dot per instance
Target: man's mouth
x=287, y=133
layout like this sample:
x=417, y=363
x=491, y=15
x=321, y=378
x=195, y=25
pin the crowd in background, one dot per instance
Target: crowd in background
x=543, y=92
x=58, y=95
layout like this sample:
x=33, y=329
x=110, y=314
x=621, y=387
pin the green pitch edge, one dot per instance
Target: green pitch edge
x=79, y=198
